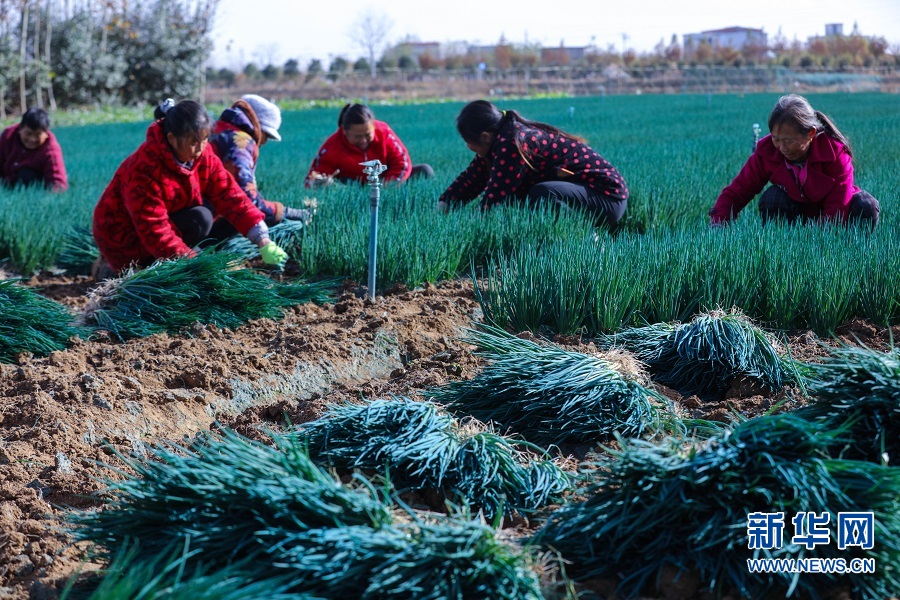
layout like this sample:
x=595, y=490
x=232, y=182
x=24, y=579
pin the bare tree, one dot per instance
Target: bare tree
x=370, y=33
x=267, y=54
x=36, y=65
x=51, y=5
x=23, y=101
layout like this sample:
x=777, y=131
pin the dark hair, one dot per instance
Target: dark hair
x=37, y=119
x=354, y=114
x=481, y=116
x=184, y=118
x=797, y=112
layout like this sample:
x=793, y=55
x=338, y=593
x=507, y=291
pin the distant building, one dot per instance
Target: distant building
x=730, y=37
x=563, y=55
x=834, y=29
x=482, y=52
x=416, y=49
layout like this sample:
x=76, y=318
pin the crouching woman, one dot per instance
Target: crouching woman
x=172, y=193
x=808, y=163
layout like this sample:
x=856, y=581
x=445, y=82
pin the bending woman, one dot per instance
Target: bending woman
x=361, y=138
x=171, y=194
x=810, y=166
x=517, y=159
x=239, y=134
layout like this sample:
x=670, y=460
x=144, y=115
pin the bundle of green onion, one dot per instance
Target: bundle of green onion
x=31, y=323
x=424, y=449
x=704, y=356
x=549, y=395
x=676, y=506
x=209, y=288
x=287, y=234
x=858, y=389
x=272, y=516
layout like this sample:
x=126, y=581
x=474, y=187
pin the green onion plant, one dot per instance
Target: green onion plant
x=78, y=251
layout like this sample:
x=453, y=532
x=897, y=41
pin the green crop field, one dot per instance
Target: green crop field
x=676, y=153
x=675, y=497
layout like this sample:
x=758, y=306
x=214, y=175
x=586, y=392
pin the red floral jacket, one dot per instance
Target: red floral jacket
x=131, y=220
x=233, y=142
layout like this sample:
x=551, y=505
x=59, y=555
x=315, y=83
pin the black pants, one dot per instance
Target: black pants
x=776, y=204
x=565, y=195
x=27, y=177
x=198, y=227
x=422, y=170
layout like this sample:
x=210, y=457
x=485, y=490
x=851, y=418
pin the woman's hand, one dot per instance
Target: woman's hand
x=272, y=253
x=317, y=179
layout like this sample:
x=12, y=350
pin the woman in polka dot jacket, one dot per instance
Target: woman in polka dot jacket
x=517, y=159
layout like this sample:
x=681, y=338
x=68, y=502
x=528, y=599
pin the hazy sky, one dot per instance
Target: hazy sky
x=275, y=30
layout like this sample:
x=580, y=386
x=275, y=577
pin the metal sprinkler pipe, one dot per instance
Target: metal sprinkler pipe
x=372, y=169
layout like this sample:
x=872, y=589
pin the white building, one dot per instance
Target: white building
x=730, y=37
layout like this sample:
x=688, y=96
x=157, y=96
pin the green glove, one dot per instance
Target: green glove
x=272, y=254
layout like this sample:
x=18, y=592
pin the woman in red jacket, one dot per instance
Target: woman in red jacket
x=518, y=159
x=29, y=153
x=168, y=195
x=809, y=163
x=361, y=138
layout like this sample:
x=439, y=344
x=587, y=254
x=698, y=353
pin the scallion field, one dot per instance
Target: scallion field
x=530, y=408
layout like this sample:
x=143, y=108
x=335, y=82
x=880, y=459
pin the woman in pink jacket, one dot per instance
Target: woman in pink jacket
x=809, y=163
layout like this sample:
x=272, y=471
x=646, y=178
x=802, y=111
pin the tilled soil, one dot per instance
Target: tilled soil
x=65, y=416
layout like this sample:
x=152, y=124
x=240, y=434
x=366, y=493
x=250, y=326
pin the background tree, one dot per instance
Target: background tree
x=370, y=33
x=406, y=63
x=251, y=72
x=362, y=66
x=226, y=76
x=339, y=66
x=313, y=69
x=84, y=72
x=168, y=45
x=503, y=54
x=673, y=50
x=428, y=62
x=291, y=68
x=271, y=73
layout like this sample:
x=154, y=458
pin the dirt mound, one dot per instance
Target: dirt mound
x=63, y=416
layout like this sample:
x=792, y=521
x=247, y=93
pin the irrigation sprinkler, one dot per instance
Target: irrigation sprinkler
x=755, y=137
x=372, y=169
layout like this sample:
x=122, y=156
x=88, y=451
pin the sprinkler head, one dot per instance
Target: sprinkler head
x=373, y=168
